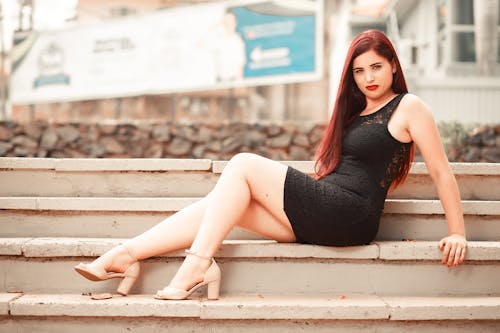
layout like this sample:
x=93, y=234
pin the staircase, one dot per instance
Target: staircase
x=55, y=213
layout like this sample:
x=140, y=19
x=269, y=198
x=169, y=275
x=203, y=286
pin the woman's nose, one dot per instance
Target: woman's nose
x=369, y=76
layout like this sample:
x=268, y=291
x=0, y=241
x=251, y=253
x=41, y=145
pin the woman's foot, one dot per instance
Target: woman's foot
x=196, y=271
x=118, y=262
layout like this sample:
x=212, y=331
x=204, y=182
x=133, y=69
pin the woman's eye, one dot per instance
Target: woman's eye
x=357, y=71
x=377, y=66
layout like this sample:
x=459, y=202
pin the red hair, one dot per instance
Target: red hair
x=350, y=101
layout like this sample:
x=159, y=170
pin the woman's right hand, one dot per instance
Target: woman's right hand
x=454, y=248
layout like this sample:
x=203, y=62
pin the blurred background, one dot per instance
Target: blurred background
x=208, y=79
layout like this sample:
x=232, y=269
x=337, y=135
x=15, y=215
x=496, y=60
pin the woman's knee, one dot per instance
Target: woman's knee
x=242, y=161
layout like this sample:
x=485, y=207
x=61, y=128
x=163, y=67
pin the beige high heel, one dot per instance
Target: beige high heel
x=96, y=273
x=211, y=279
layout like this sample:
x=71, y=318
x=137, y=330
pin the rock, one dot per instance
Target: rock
x=472, y=155
x=138, y=149
x=21, y=152
x=43, y=153
x=278, y=155
x=274, y=130
x=125, y=133
x=24, y=141
x=281, y=141
x=33, y=130
x=301, y=140
x=155, y=151
x=289, y=128
x=236, y=129
x=59, y=154
x=185, y=132
x=198, y=151
x=161, y=133
x=96, y=150
x=72, y=153
x=111, y=145
x=221, y=132
x=179, y=147
x=300, y=154
x=491, y=154
x=108, y=129
x=215, y=146
x=49, y=139
x=254, y=139
x=139, y=135
x=475, y=140
x=306, y=128
x=5, y=147
x=232, y=143
x=316, y=135
x=212, y=156
x=454, y=153
x=92, y=134
x=488, y=138
x=204, y=135
x=68, y=134
x=6, y=133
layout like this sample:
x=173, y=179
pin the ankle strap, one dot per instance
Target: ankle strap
x=188, y=251
x=129, y=252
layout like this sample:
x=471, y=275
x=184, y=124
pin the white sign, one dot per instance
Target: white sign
x=191, y=48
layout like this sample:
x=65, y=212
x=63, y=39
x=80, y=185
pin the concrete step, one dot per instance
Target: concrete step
x=105, y=177
x=127, y=217
x=249, y=313
x=45, y=265
x=184, y=177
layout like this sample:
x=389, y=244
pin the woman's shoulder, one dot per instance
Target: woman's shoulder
x=410, y=99
x=411, y=104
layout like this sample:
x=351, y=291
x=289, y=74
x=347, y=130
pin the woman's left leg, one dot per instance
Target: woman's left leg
x=246, y=177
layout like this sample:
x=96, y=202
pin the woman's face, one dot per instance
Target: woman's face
x=373, y=74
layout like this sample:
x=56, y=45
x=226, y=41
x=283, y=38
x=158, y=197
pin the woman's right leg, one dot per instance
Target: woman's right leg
x=179, y=230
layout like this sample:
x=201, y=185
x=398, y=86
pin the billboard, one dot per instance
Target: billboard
x=194, y=48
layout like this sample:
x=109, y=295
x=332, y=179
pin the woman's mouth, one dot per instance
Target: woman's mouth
x=372, y=87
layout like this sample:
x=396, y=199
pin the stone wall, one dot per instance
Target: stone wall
x=212, y=141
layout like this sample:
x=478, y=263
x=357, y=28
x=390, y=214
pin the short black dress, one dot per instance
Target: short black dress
x=344, y=208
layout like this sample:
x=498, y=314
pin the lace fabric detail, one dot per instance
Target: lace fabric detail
x=395, y=165
x=401, y=150
x=382, y=115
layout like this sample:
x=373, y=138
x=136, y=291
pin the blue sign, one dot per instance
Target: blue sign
x=277, y=44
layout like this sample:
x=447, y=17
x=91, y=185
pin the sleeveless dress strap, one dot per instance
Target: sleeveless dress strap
x=392, y=106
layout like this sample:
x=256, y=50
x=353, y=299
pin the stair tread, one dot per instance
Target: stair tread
x=382, y=250
x=100, y=164
x=186, y=164
x=155, y=204
x=261, y=306
x=416, y=168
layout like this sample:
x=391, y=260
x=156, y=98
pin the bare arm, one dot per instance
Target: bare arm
x=424, y=132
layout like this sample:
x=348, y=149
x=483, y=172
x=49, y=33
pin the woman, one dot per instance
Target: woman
x=367, y=149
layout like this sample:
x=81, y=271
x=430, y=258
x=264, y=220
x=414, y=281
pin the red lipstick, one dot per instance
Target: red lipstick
x=372, y=87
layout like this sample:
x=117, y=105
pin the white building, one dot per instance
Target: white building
x=438, y=43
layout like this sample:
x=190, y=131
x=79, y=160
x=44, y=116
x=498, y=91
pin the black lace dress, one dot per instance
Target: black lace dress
x=344, y=208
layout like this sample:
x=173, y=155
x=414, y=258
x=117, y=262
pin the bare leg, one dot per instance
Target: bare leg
x=179, y=230
x=247, y=178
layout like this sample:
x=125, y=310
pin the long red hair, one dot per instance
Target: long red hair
x=350, y=101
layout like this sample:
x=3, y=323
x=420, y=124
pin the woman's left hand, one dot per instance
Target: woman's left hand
x=454, y=248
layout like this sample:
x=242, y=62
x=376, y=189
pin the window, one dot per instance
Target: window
x=463, y=47
x=462, y=39
x=463, y=12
